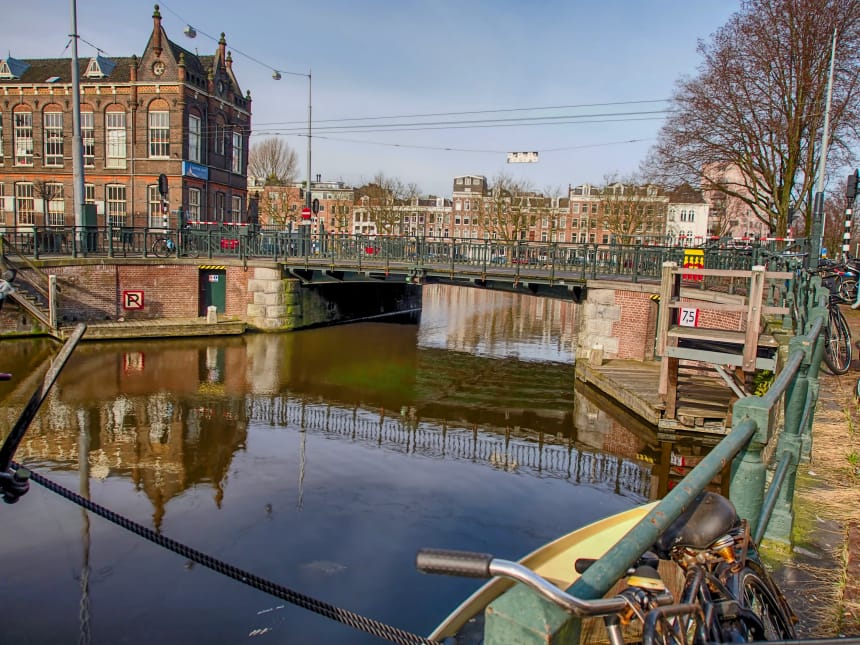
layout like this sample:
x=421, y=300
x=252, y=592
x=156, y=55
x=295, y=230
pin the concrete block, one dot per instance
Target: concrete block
x=255, y=311
x=601, y=297
x=263, y=273
x=268, y=299
x=595, y=357
x=276, y=311
x=211, y=315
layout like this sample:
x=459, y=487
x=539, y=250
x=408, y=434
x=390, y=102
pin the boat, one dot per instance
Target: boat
x=553, y=561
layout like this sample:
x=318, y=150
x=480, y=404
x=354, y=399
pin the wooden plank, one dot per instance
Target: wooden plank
x=752, y=339
x=717, y=358
x=733, y=273
x=719, y=335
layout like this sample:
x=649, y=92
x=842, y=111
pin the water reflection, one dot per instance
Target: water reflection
x=323, y=459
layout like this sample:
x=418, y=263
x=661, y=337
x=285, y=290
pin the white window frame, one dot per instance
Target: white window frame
x=23, y=138
x=220, y=206
x=236, y=209
x=193, y=212
x=89, y=193
x=155, y=216
x=88, y=139
x=115, y=140
x=25, y=203
x=220, y=136
x=116, y=204
x=159, y=134
x=194, y=140
x=56, y=211
x=52, y=124
x=236, y=160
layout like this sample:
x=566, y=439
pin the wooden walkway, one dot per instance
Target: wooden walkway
x=159, y=328
x=634, y=385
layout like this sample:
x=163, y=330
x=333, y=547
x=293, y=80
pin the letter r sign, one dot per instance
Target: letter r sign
x=132, y=300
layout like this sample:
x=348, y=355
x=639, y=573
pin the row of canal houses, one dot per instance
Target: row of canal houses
x=183, y=115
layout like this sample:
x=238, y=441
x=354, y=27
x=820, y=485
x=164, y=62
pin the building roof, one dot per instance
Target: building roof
x=39, y=70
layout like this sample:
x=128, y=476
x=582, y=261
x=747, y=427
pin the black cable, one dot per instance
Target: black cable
x=356, y=621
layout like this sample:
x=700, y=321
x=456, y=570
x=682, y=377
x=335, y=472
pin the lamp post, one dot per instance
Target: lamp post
x=305, y=224
x=77, y=146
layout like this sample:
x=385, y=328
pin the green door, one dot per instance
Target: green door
x=213, y=290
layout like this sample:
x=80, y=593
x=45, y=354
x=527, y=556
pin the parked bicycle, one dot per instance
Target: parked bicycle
x=165, y=246
x=727, y=595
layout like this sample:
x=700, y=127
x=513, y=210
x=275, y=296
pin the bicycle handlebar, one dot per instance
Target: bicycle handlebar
x=483, y=565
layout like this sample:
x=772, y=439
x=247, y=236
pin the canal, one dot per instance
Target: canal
x=321, y=460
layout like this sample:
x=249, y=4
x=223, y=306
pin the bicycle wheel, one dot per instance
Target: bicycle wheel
x=191, y=248
x=848, y=289
x=837, y=342
x=769, y=616
x=160, y=248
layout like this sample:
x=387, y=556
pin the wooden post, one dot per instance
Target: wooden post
x=753, y=318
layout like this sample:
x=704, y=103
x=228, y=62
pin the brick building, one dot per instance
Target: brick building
x=168, y=112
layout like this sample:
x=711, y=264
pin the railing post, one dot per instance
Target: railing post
x=746, y=484
x=817, y=355
x=52, y=300
x=110, y=230
x=795, y=404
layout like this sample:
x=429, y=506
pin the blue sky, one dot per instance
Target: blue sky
x=390, y=58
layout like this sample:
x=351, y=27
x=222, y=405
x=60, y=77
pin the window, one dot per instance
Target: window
x=115, y=138
x=220, y=138
x=237, y=209
x=1, y=149
x=23, y=139
x=159, y=134
x=25, y=204
x=467, y=205
x=115, y=205
x=574, y=208
x=237, y=153
x=605, y=239
x=691, y=215
x=156, y=217
x=194, y=138
x=53, y=132
x=88, y=141
x=56, y=204
x=220, y=204
x=562, y=222
x=193, y=213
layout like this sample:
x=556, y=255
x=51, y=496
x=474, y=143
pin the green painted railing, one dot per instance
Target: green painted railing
x=634, y=261
x=519, y=616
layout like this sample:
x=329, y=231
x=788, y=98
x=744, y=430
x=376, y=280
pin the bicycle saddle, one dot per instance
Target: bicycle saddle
x=708, y=517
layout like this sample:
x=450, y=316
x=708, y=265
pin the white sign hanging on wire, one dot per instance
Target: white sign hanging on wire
x=522, y=157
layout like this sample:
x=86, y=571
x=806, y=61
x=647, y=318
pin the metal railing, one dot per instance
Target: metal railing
x=587, y=260
x=757, y=425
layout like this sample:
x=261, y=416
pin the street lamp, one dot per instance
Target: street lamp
x=276, y=74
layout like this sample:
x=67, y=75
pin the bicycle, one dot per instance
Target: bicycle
x=727, y=595
x=165, y=246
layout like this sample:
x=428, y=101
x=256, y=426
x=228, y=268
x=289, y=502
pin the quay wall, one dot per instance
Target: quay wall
x=619, y=320
x=128, y=290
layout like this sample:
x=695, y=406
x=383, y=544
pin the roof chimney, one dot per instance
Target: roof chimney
x=156, y=31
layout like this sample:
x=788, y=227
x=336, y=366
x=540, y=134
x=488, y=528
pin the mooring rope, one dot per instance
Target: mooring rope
x=356, y=621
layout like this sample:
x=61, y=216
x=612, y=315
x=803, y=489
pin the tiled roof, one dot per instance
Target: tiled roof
x=41, y=69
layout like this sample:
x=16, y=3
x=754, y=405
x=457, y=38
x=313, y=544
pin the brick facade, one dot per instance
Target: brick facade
x=168, y=112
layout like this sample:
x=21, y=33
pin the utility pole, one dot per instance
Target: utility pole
x=816, y=233
x=77, y=145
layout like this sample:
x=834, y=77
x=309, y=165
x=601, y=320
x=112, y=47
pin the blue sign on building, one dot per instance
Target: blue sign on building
x=195, y=170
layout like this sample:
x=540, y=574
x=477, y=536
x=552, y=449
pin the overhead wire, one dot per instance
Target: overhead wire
x=353, y=125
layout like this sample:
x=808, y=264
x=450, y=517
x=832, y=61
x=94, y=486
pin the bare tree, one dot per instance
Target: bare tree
x=47, y=191
x=273, y=160
x=384, y=200
x=749, y=124
x=632, y=209
x=505, y=212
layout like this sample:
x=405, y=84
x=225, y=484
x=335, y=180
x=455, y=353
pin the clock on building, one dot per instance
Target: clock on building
x=158, y=68
x=220, y=87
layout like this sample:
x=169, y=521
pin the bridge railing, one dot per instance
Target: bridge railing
x=756, y=432
x=635, y=260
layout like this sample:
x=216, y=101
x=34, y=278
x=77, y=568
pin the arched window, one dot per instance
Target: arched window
x=23, y=136
x=52, y=131
x=115, y=137
x=159, y=129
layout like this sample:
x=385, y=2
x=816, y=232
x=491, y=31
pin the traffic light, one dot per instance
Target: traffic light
x=853, y=186
x=315, y=206
x=162, y=184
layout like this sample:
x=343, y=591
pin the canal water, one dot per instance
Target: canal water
x=321, y=460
